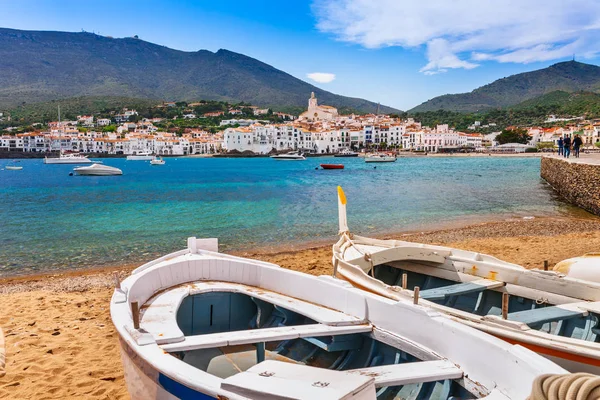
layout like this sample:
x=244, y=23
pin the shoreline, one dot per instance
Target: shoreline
x=486, y=229
x=19, y=155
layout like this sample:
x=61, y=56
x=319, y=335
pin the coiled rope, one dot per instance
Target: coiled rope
x=579, y=386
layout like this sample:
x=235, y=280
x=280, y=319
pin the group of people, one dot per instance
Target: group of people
x=564, y=146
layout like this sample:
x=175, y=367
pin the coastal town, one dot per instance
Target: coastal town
x=319, y=130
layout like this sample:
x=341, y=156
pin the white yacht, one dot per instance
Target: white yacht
x=98, y=170
x=71, y=158
x=141, y=156
x=157, y=161
x=291, y=156
x=380, y=157
x=346, y=153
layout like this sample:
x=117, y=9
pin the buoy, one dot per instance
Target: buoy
x=316, y=167
x=70, y=174
x=374, y=167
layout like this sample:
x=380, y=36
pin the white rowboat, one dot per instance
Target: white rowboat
x=200, y=324
x=547, y=311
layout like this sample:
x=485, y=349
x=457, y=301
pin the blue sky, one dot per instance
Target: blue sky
x=399, y=53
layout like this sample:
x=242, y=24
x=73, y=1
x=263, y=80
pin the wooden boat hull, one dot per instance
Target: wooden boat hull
x=545, y=311
x=332, y=166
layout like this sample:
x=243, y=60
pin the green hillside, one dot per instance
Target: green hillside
x=44, y=66
x=567, y=77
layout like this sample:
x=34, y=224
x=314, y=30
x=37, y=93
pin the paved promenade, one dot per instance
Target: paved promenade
x=592, y=158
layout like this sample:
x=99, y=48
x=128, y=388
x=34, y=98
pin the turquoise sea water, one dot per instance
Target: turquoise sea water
x=50, y=220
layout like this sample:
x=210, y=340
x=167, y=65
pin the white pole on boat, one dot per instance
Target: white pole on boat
x=342, y=211
x=135, y=314
x=416, y=295
x=505, y=298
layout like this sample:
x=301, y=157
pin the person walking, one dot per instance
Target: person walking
x=560, y=146
x=577, y=142
x=567, y=146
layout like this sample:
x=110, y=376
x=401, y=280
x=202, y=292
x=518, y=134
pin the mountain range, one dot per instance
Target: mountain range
x=566, y=77
x=38, y=66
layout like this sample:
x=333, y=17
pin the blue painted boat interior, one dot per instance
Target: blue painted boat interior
x=543, y=317
x=225, y=312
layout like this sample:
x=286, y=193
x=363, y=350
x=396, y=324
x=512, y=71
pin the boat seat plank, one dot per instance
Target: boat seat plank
x=409, y=373
x=442, y=293
x=281, y=380
x=546, y=314
x=158, y=315
x=211, y=340
x=320, y=314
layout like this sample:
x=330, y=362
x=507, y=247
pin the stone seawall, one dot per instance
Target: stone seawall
x=575, y=180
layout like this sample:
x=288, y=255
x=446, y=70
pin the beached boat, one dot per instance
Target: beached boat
x=200, y=324
x=98, y=170
x=72, y=158
x=549, y=312
x=379, y=157
x=141, y=156
x=291, y=156
x=332, y=166
x=157, y=161
x=13, y=168
x=346, y=153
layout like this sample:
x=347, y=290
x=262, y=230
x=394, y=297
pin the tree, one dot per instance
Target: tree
x=515, y=135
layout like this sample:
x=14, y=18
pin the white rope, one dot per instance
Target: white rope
x=579, y=386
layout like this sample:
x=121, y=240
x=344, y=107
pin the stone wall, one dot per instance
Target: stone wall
x=576, y=182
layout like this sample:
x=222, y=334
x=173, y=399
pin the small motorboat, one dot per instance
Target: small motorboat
x=199, y=324
x=380, y=157
x=291, y=156
x=157, y=161
x=98, y=170
x=141, y=156
x=332, y=166
x=553, y=312
x=13, y=168
x=346, y=153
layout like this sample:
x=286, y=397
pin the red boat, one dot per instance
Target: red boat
x=332, y=166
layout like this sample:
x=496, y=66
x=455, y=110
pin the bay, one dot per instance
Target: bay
x=51, y=221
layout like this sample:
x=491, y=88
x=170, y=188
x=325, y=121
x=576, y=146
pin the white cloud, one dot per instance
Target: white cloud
x=462, y=33
x=321, y=77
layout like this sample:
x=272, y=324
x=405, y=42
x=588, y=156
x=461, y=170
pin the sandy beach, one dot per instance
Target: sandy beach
x=60, y=342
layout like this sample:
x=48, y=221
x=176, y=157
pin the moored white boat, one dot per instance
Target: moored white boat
x=72, y=158
x=346, y=153
x=98, y=170
x=547, y=311
x=291, y=156
x=141, y=156
x=157, y=161
x=13, y=168
x=200, y=324
x=380, y=157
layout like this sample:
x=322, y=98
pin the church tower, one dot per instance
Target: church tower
x=312, y=103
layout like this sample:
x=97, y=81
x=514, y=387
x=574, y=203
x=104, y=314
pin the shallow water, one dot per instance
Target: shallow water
x=50, y=220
